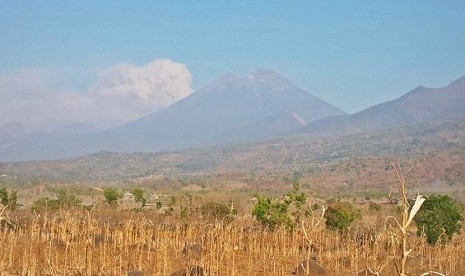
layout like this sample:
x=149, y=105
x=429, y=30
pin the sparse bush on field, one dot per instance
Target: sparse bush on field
x=438, y=216
x=4, y=196
x=66, y=199
x=215, y=210
x=45, y=204
x=273, y=212
x=374, y=207
x=340, y=215
x=111, y=195
x=139, y=196
x=8, y=200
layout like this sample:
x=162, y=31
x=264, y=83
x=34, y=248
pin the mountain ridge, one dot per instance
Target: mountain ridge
x=234, y=109
x=419, y=105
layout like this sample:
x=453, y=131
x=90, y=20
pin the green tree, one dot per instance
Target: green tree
x=439, y=215
x=340, y=215
x=111, y=195
x=139, y=196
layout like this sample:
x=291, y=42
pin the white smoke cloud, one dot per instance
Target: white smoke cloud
x=121, y=93
x=154, y=85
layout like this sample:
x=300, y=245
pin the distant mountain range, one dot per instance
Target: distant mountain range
x=235, y=109
x=230, y=109
x=417, y=106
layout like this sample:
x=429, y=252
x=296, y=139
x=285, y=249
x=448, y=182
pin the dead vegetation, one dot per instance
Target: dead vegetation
x=111, y=242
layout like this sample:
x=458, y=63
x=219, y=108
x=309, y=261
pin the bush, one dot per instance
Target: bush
x=8, y=199
x=439, y=215
x=4, y=196
x=111, y=195
x=273, y=212
x=45, y=204
x=374, y=207
x=66, y=199
x=215, y=210
x=139, y=196
x=340, y=215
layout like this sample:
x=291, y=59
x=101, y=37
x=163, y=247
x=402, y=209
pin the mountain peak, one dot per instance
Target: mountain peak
x=263, y=73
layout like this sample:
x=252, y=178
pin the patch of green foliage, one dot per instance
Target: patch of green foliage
x=8, y=199
x=111, y=195
x=45, y=204
x=438, y=217
x=272, y=212
x=139, y=196
x=65, y=199
x=340, y=215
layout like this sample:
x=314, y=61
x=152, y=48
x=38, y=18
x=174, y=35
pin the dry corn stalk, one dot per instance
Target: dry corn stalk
x=3, y=218
x=314, y=225
x=407, y=218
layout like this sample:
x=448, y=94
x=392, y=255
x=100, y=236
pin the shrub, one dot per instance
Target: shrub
x=66, y=199
x=45, y=204
x=273, y=212
x=139, y=196
x=111, y=195
x=215, y=210
x=8, y=199
x=340, y=215
x=4, y=196
x=374, y=207
x=439, y=215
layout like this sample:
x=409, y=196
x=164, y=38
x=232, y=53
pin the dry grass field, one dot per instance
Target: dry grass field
x=106, y=241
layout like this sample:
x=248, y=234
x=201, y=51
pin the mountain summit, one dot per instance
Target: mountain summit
x=229, y=109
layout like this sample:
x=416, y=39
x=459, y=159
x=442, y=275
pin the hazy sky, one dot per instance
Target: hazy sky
x=91, y=57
